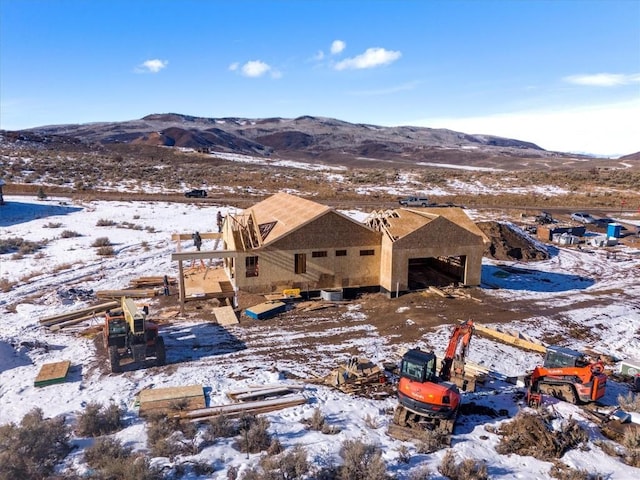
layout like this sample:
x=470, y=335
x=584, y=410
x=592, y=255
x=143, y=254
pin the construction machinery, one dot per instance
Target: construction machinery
x=129, y=335
x=428, y=400
x=567, y=375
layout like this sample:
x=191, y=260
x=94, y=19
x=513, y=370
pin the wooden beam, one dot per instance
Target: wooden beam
x=510, y=339
x=181, y=288
x=203, y=255
x=63, y=317
x=204, y=236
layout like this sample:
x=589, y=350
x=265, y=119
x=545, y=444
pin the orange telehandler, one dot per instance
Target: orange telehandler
x=428, y=400
x=567, y=375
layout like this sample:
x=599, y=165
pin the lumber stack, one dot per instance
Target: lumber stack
x=133, y=293
x=57, y=322
x=234, y=410
x=262, y=392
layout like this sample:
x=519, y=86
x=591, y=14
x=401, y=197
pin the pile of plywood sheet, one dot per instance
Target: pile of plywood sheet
x=171, y=399
x=51, y=373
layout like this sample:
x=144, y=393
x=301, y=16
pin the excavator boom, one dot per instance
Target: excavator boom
x=457, y=349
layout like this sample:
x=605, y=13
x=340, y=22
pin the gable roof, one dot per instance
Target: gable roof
x=283, y=213
x=402, y=222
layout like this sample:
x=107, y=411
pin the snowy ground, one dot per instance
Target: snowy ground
x=226, y=359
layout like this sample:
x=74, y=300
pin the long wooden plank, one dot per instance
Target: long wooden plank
x=258, y=394
x=52, y=320
x=232, y=408
x=68, y=323
x=52, y=373
x=134, y=293
x=510, y=339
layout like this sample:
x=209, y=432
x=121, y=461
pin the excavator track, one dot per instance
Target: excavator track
x=412, y=426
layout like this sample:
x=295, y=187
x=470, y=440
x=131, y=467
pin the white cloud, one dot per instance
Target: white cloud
x=319, y=56
x=152, y=66
x=371, y=58
x=606, y=129
x=255, y=69
x=603, y=79
x=337, y=46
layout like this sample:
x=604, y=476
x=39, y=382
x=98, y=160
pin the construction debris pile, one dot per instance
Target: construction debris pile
x=359, y=376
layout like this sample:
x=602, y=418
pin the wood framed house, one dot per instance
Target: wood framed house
x=290, y=242
x=287, y=242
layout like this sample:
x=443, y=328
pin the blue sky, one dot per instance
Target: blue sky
x=562, y=74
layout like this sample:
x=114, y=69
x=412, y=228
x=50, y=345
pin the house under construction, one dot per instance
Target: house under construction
x=287, y=242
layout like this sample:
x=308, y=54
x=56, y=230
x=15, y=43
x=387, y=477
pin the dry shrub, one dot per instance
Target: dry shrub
x=6, y=285
x=69, y=234
x=629, y=402
x=97, y=420
x=631, y=441
x=105, y=222
x=430, y=441
x=53, y=225
x=318, y=422
x=20, y=246
x=32, y=449
x=371, y=422
x=361, y=461
x=101, y=242
x=532, y=434
x=468, y=469
x=106, y=251
x=289, y=465
x=254, y=436
x=220, y=427
x=168, y=437
x=562, y=471
x=111, y=460
x=404, y=454
x=421, y=473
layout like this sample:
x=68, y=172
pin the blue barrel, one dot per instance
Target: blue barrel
x=613, y=230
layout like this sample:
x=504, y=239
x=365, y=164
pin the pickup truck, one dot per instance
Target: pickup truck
x=414, y=202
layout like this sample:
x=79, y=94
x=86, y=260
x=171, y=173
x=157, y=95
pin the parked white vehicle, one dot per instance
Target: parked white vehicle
x=582, y=217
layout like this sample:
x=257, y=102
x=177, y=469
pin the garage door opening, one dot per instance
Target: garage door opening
x=437, y=272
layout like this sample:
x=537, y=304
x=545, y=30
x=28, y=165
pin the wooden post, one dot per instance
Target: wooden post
x=181, y=289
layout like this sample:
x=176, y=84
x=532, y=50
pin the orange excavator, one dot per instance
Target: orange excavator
x=567, y=375
x=427, y=400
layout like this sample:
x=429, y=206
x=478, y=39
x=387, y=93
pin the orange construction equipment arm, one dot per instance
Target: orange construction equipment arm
x=461, y=336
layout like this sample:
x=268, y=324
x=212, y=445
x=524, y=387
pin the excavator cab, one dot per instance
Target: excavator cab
x=560, y=357
x=419, y=366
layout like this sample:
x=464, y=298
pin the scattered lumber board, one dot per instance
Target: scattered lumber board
x=171, y=399
x=437, y=291
x=261, y=393
x=59, y=326
x=63, y=317
x=238, y=409
x=51, y=373
x=225, y=315
x=516, y=341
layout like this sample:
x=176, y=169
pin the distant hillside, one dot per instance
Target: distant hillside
x=633, y=156
x=308, y=139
